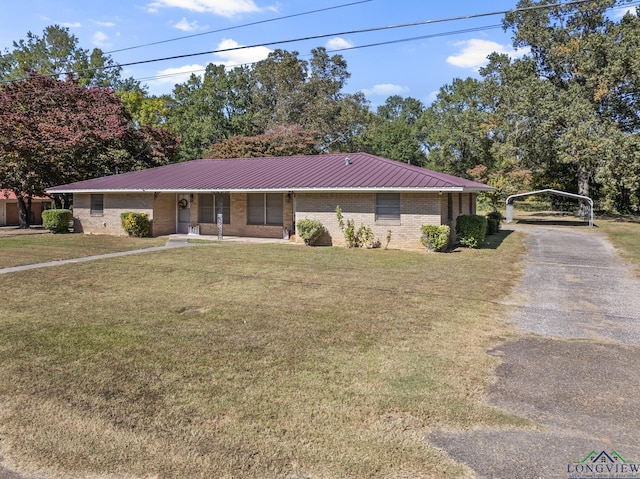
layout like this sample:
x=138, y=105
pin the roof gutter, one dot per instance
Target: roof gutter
x=457, y=189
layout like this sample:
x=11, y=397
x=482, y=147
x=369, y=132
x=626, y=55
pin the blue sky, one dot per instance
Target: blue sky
x=416, y=68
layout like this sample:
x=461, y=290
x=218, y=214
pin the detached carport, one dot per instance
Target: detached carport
x=549, y=191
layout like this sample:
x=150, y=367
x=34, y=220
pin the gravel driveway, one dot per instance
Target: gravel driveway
x=574, y=371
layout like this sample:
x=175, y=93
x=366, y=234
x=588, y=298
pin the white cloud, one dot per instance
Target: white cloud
x=385, y=89
x=99, y=39
x=338, y=43
x=71, y=24
x=223, y=8
x=104, y=24
x=177, y=75
x=473, y=53
x=187, y=26
x=240, y=56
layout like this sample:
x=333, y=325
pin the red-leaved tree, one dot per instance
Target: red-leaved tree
x=56, y=132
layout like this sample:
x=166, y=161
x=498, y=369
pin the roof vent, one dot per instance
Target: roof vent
x=347, y=161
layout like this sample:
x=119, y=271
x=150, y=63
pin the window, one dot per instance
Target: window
x=449, y=207
x=97, y=205
x=459, y=203
x=265, y=209
x=208, y=205
x=387, y=206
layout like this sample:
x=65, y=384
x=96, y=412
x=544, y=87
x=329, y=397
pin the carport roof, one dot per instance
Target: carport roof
x=330, y=172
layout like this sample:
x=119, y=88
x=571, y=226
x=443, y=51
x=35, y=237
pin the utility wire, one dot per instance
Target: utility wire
x=356, y=47
x=352, y=32
x=316, y=37
x=238, y=26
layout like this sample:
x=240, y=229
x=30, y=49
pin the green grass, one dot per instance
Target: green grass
x=625, y=236
x=243, y=361
x=39, y=248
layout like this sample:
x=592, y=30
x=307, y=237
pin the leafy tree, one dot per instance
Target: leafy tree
x=279, y=141
x=576, y=87
x=394, y=131
x=456, y=128
x=55, y=132
x=57, y=53
x=200, y=112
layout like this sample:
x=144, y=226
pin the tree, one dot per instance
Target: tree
x=198, y=112
x=57, y=53
x=394, y=131
x=456, y=128
x=585, y=93
x=54, y=132
x=279, y=141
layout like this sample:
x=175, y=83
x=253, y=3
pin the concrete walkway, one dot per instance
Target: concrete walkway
x=575, y=370
x=174, y=241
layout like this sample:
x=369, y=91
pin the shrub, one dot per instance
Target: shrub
x=471, y=230
x=57, y=221
x=435, y=237
x=309, y=230
x=493, y=222
x=136, y=224
x=494, y=219
x=360, y=238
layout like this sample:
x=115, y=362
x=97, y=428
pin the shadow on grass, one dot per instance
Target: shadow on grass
x=494, y=241
x=552, y=222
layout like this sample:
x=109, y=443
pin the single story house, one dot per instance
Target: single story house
x=264, y=197
x=9, y=208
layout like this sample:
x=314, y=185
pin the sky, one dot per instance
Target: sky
x=411, y=61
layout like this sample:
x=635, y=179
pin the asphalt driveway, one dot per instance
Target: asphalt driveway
x=574, y=371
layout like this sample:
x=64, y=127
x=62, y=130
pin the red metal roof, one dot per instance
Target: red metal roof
x=10, y=195
x=354, y=171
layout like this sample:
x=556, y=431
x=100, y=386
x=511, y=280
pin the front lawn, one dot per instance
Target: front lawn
x=40, y=248
x=245, y=361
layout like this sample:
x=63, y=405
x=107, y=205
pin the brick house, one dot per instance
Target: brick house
x=264, y=197
x=9, y=208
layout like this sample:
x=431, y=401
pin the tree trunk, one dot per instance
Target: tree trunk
x=24, y=212
x=583, y=189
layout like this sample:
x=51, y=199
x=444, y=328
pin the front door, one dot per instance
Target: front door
x=3, y=219
x=184, y=213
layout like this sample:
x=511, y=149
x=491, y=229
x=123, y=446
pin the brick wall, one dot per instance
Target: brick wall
x=416, y=209
x=113, y=204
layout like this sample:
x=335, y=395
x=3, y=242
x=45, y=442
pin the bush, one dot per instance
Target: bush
x=361, y=238
x=435, y=238
x=471, y=230
x=136, y=224
x=309, y=230
x=57, y=221
x=493, y=222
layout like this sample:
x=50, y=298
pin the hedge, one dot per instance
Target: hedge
x=309, y=230
x=57, y=221
x=435, y=238
x=471, y=230
x=136, y=224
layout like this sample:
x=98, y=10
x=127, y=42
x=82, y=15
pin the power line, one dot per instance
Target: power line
x=356, y=47
x=353, y=32
x=316, y=37
x=239, y=26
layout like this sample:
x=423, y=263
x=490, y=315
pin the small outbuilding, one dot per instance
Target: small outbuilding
x=9, y=214
x=265, y=197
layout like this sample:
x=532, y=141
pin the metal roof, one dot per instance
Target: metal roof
x=330, y=172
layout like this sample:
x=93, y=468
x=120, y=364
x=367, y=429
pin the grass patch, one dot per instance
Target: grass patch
x=244, y=361
x=624, y=235
x=40, y=248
